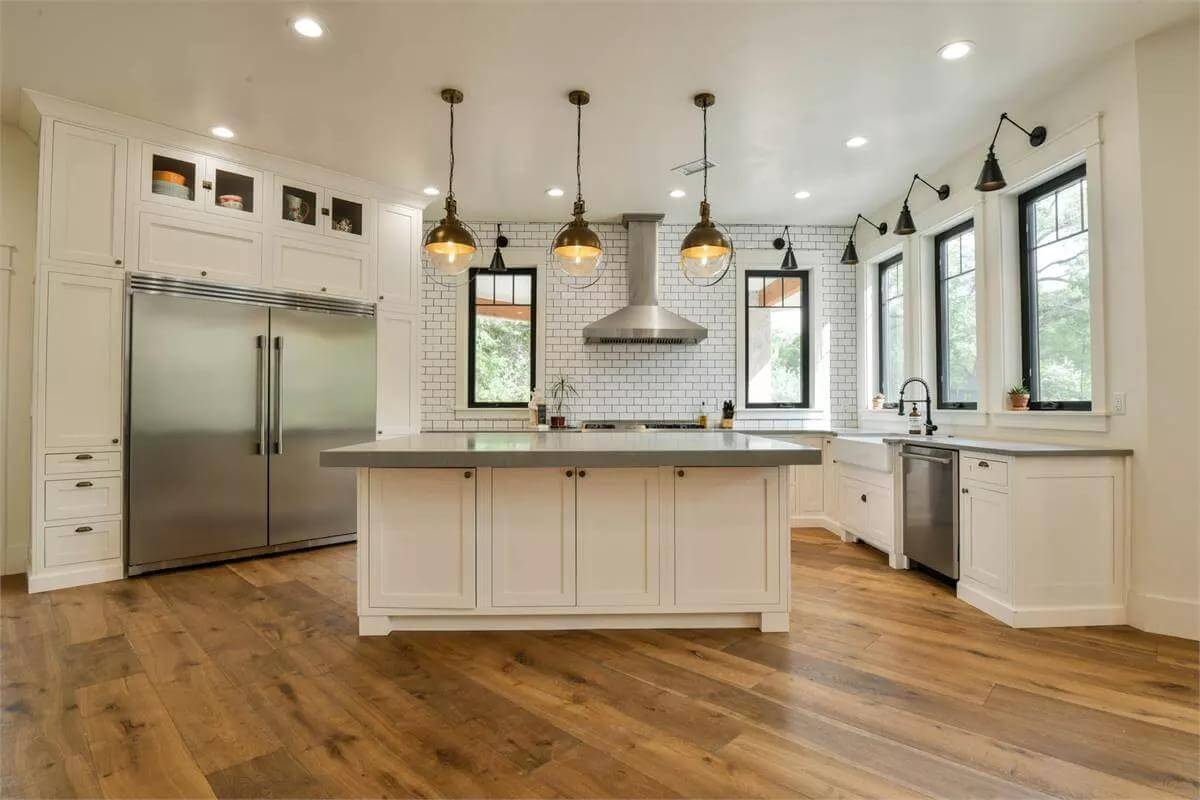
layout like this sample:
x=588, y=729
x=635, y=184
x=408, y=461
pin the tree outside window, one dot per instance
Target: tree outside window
x=777, y=307
x=891, y=328
x=501, y=337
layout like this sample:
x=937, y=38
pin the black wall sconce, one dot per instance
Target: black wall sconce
x=990, y=177
x=497, y=264
x=850, y=254
x=789, y=258
x=904, y=223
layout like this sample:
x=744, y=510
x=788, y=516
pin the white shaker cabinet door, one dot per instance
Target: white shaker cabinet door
x=321, y=268
x=533, y=536
x=399, y=262
x=617, y=536
x=398, y=371
x=81, y=367
x=87, y=196
x=984, y=537
x=421, y=538
x=727, y=531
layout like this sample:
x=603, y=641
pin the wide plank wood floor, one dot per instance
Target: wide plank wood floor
x=248, y=680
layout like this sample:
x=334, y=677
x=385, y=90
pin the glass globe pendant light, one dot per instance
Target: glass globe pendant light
x=707, y=250
x=577, y=248
x=450, y=245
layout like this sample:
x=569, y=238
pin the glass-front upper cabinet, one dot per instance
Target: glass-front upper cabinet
x=172, y=176
x=232, y=190
x=304, y=206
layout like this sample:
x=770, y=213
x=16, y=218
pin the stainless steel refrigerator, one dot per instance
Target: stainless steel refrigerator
x=232, y=395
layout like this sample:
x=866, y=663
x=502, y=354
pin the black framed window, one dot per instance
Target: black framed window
x=501, y=338
x=954, y=309
x=777, y=325
x=891, y=328
x=1056, y=322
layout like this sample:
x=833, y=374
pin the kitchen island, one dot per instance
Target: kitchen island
x=491, y=531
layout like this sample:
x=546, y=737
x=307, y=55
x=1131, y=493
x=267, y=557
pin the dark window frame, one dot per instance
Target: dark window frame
x=881, y=306
x=1025, y=202
x=805, y=340
x=940, y=320
x=533, y=333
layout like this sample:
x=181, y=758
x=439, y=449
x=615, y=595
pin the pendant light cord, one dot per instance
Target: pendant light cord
x=450, y=193
x=578, y=153
x=704, y=111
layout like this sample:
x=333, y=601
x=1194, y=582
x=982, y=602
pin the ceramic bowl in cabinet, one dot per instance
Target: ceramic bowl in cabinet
x=233, y=201
x=171, y=190
x=169, y=177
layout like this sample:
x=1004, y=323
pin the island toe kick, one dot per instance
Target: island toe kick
x=567, y=547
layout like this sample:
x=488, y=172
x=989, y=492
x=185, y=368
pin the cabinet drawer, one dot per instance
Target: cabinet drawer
x=87, y=497
x=984, y=470
x=79, y=463
x=315, y=267
x=86, y=541
x=200, y=249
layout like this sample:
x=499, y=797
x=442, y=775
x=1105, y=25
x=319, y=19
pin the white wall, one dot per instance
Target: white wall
x=1165, y=564
x=18, y=226
x=1166, y=569
x=627, y=381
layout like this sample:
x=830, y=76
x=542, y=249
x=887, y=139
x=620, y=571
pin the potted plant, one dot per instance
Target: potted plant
x=560, y=390
x=1018, y=397
x=877, y=402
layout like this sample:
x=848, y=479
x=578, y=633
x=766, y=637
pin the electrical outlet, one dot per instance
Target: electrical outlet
x=1118, y=403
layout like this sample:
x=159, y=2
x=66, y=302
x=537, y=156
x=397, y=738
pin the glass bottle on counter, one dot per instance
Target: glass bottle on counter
x=702, y=414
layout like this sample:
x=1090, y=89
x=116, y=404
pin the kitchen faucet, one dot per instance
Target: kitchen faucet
x=929, y=426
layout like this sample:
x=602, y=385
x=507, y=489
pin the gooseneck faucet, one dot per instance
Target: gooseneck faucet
x=929, y=426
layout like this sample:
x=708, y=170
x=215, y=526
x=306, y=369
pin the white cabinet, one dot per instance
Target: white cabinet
x=421, y=538
x=829, y=477
x=864, y=507
x=315, y=267
x=80, y=384
x=618, y=536
x=727, y=536
x=533, y=537
x=399, y=263
x=198, y=249
x=984, y=541
x=398, y=373
x=83, y=497
x=87, y=196
x=303, y=207
x=79, y=543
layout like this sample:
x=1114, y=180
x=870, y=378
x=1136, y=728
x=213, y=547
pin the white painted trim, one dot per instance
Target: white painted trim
x=1170, y=616
x=10, y=552
x=515, y=258
x=1052, y=420
x=383, y=625
x=867, y=291
x=98, y=572
x=809, y=261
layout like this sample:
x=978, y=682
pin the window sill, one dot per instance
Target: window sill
x=1053, y=420
x=960, y=416
x=781, y=413
x=461, y=412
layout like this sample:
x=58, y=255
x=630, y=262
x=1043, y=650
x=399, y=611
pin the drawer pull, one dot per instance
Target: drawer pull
x=84, y=457
x=583, y=473
x=680, y=473
x=83, y=484
x=84, y=529
x=466, y=474
x=984, y=465
x=863, y=498
x=570, y=473
x=966, y=491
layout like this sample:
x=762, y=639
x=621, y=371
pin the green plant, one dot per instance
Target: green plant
x=560, y=390
x=1019, y=389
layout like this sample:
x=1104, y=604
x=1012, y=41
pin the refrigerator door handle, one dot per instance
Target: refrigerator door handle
x=278, y=395
x=260, y=416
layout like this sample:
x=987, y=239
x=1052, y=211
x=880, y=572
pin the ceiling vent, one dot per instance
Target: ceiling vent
x=692, y=167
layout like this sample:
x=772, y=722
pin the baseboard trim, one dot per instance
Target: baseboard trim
x=1169, y=616
x=374, y=625
x=112, y=570
x=16, y=559
x=1040, y=616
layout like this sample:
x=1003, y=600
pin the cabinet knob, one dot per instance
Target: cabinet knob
x=117, y=261
x=83, y=484
x=323, y=289
x=467, y=474
x=203, y=273
x=583, y=473
x=863, y=498
x=966, y=491
x=380, y=297
x=569, y=473
x=379, y=432
x=115, y=441
x=680, y=473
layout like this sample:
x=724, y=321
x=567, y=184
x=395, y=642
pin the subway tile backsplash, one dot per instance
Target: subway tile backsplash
x=629, y=381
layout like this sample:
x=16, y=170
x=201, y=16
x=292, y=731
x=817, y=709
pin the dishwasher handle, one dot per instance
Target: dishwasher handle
x=919, y=457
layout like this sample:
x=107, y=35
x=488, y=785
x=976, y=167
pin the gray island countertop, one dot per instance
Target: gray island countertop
x=550, y=449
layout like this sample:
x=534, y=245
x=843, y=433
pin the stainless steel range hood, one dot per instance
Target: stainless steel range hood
x=643, y=320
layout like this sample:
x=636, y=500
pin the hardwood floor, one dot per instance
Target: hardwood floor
x=248, y=680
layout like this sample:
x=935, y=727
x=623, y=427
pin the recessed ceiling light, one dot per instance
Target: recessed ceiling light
x=856, y=141
x=554, y=191
x=432, y=191
x=956, y=50
x=221, y=132
x=308, y=27
x=678, y=193
x=802, y=195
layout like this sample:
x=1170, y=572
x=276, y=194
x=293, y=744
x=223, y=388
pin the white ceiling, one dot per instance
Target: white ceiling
x=792, y=81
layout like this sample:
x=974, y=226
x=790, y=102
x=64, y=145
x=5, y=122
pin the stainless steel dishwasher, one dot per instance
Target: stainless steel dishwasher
x=930, y=521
